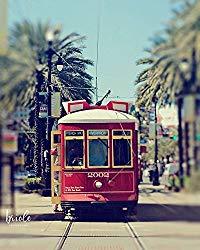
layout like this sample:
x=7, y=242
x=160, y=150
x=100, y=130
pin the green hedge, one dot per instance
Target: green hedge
x=33, y=184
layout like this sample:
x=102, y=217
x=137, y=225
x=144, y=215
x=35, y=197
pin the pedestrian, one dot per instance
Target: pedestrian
x=151, y=170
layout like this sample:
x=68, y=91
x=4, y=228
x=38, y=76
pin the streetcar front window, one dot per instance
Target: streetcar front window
x=122, y=148
x=74, y=152
x=98, y=148
x=122, y=152
x=98, y=152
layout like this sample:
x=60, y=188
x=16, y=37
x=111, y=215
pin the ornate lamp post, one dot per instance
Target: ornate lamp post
x=50, y=52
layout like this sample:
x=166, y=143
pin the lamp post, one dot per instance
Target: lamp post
x=59, y=65
x=156, y=173
x=38, y=158
x=180, y=141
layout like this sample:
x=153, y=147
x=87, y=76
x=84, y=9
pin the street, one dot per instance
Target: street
x=165, y=220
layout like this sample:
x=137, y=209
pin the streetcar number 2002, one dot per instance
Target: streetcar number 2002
x=98, y=174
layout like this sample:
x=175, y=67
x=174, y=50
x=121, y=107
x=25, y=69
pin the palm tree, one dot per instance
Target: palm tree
x=27, y=43
x=173, y=63
x=19, y=77
x=181, y=44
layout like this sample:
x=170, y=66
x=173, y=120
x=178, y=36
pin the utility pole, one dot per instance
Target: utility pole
x=156, y=172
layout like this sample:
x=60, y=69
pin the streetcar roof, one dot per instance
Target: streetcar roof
x=98, y=116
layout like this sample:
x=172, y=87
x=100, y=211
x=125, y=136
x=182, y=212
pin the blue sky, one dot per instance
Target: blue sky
x=125, y=29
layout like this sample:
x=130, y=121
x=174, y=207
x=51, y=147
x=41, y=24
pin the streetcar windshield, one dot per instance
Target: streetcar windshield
x=122, y=152
x=98, y=152
x=74, y=152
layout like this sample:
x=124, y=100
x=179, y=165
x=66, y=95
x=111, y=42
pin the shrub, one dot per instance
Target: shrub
x=33, y=184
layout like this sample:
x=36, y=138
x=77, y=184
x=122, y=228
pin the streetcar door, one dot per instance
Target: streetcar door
x=56, y=166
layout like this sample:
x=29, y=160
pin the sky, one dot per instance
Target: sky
x=126, y=27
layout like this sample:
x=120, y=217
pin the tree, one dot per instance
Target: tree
x=164, y=76
x=27, y=44
x=20, y=78
x=174, y=64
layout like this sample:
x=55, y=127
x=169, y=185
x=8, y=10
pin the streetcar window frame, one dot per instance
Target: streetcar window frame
x=98, y=137
x=71, y=138
x=126, y=137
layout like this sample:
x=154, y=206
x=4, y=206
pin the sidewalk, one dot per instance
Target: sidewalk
x=168, y=197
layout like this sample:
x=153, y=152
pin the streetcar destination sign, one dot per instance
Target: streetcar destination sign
x=98, y=132
x=121, y=132
x=73, y=133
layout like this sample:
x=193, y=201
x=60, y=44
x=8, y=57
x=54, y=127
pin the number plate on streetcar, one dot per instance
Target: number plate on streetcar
x=98, y=174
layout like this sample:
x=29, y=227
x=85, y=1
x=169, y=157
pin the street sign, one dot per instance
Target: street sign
x=55, y=104
x=9, y=142
x=43, y=110
x=152, y=128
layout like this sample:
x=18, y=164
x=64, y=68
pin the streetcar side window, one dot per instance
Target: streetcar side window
x=57, y=138
x=74, y=152
x=122, y=148
x=122, y=152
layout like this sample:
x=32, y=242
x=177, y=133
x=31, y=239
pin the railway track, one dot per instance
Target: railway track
x=100, y=236
x=64, y=236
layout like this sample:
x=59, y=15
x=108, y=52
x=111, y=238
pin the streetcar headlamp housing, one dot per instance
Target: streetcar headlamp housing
x=98, y=184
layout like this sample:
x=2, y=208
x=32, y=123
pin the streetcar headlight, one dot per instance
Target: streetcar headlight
x=98, y=184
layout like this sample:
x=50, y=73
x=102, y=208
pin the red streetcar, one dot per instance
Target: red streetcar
x=94, y=158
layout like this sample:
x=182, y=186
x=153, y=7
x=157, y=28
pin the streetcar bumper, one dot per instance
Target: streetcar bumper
x=110, y=205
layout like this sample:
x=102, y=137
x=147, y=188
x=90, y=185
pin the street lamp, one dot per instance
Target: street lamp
x=59, y=64
x=156, y=173
x=50, y=52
